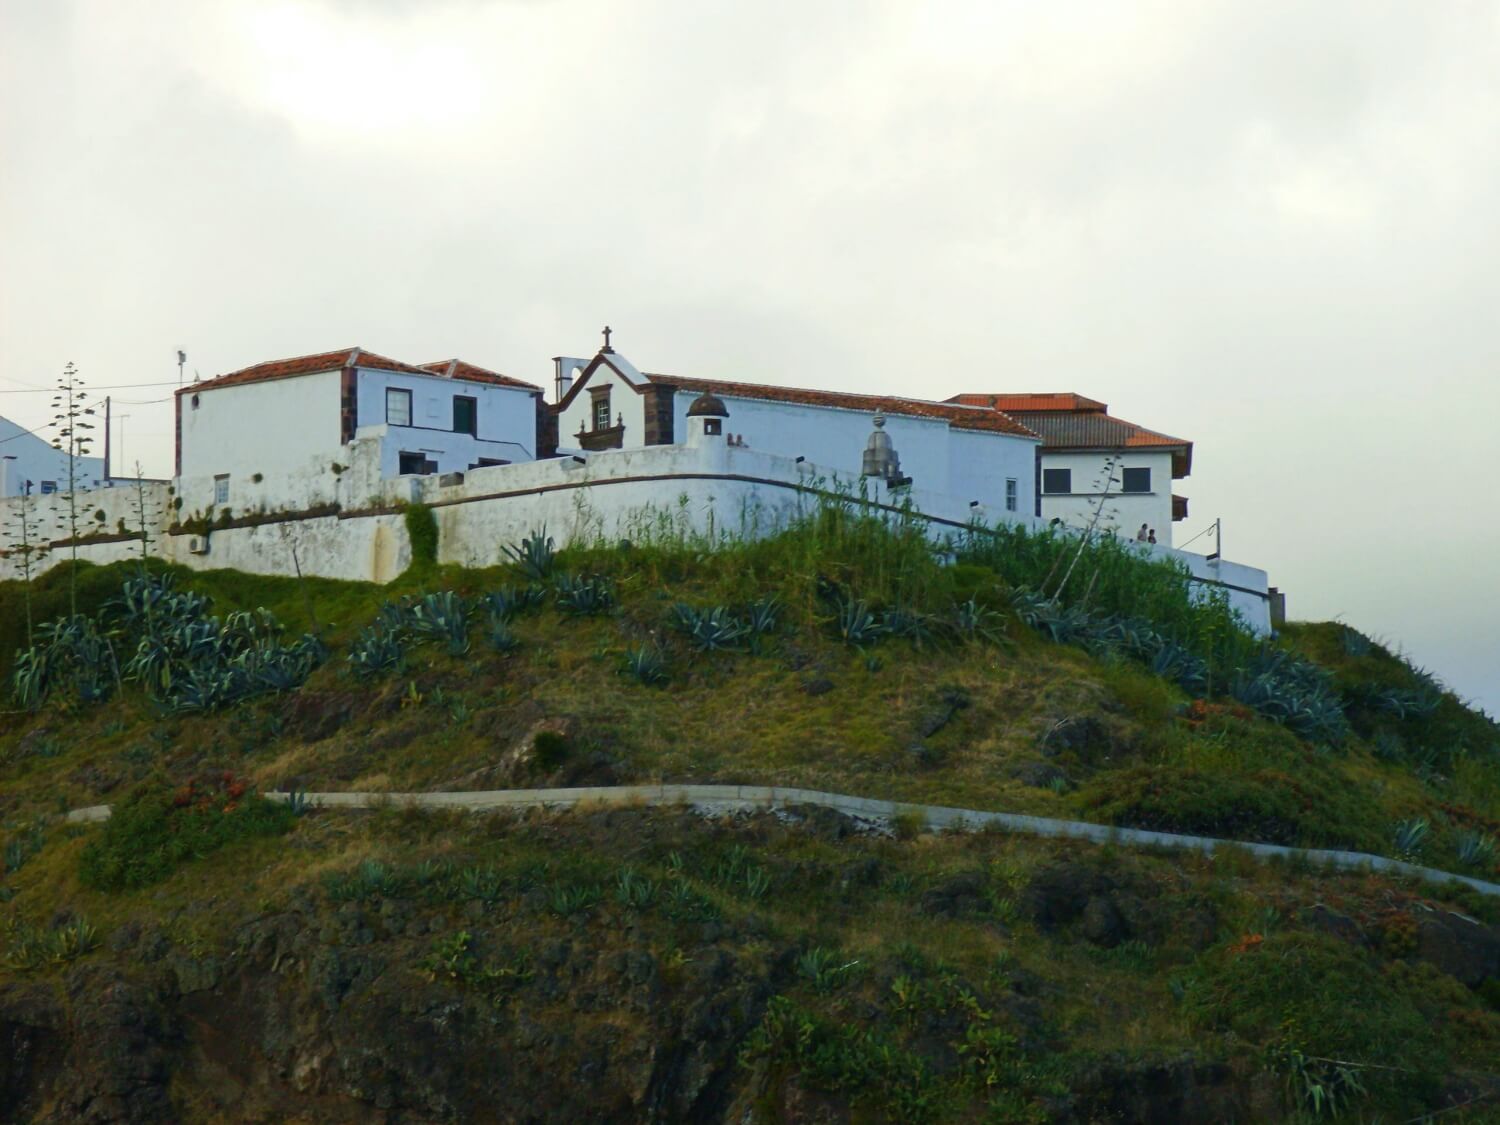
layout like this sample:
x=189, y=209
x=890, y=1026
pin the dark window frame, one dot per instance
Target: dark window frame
x=601, y=404
x=425, y=466
x=395, y=393
x=1125, y=478
x=473, y=427
x=1054, y=476
x=1012, y=493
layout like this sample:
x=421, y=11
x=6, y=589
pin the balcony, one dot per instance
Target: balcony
x=611, y=437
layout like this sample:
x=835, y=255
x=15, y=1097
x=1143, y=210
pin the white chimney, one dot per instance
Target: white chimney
x=567, y=368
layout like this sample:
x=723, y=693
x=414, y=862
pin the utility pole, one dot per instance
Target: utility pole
x=181, y=363
x=106, y=441
x=1218, y=539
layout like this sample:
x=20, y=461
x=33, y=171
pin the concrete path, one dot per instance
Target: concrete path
x=733, y=798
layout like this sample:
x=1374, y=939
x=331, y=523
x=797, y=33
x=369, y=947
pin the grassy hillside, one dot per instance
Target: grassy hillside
x=923, y=978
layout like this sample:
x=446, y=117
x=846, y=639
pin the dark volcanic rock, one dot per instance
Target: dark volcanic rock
x=32, y=1039
x=961, y=894
x=1460, y=946
x=1185, y=1091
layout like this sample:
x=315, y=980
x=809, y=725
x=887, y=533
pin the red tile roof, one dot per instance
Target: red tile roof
x=303, y=365
x=1049, y=400
x=473, y=373
x=959, y=416
x=1066, y=420
x=352, y=357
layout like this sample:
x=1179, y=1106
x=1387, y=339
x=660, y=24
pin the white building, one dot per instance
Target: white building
x=305, y=465
x=29, y=464
x=1089, y=458
x=282, y=416
x=975, y=454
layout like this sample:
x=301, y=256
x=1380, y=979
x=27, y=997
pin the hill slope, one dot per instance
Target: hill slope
x=207, y=955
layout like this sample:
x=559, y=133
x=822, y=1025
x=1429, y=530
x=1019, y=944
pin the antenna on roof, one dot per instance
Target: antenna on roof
x=181, y=362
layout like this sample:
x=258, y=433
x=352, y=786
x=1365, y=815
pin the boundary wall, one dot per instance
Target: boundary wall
x=349, y=524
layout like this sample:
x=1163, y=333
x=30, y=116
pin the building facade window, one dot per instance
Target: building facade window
x=48, y=486
x=415, y=464
x=221, y=488
x=1135, y=480
x=601, y=410
x=1057, y=480
x=397, y=407
x=466, y=415
x=1011, y=494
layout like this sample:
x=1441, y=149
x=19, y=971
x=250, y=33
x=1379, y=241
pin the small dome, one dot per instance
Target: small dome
x=708, y=405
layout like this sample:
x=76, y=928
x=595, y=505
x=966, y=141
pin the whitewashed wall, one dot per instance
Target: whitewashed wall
x=615, y=495
x=624, y=402
x=1123, y=511
x=980, y=463
x=506, y=420
x=267, y=428
x=966, y=464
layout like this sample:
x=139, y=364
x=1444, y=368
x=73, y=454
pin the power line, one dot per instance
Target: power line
x=1200, y=535
x=34, y=433
x=111, y=387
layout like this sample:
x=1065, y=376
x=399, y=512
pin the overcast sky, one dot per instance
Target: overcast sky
x=1270, y=227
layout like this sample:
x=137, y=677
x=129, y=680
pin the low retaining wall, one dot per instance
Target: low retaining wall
x=762, y=797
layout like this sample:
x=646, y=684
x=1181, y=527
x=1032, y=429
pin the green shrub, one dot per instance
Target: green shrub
x=156, y=830
x=1266, y=806
x=838, y=1058
x=1308, y=995
x=422, y=534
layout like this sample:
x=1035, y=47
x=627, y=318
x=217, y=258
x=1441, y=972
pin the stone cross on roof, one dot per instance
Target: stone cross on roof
x=607, y=331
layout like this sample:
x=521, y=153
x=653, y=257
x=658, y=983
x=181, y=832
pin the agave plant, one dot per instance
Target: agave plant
x=585, y=597
x=910, y=624
x=376, y=650
x=710, y=630
x=1411, y=837
x=500, y=636
x=857, y=625
x=633, y=890
x=32, y=677
x=535, y=556
x=975, y=622
x=511, y=601
x=1476, y=850
x=247, y=629
x=1353, y=642
x=442, y=617
x=761, y=617
x=645, y=664
x=1293, y=692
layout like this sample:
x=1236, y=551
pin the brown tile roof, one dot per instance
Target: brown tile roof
x=354, y=357
x=473, y=373
x=959, y=416
x=1049, y=400
x=1091, y=430
x=1066, y=420
x=303, y=365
